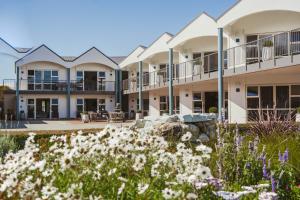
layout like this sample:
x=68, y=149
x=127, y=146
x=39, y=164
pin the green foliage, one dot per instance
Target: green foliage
x=298, y=110
x=285, y=178
x=7, y=144
x=239, y=163
x=213, y=110
x=268, y=43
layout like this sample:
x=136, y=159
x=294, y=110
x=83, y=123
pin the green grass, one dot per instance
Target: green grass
x=273, y=143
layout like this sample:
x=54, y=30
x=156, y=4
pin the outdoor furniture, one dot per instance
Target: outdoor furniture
x=84, y=117
x=116, y=116
x=92, y=116
x=103, y=115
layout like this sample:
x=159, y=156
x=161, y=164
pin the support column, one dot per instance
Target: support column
x=121, y=88
x=117, y=86
x=68, y=93
x=220, y=74
x=18, y=93
x=140, y=85
x=171, y=96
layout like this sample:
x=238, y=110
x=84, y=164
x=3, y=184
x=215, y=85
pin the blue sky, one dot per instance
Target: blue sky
x=116, y=27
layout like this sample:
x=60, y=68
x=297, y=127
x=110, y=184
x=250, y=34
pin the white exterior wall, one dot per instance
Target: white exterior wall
x=261, y=23
x=109, y=102
x=62, y=72
x=62, y=102
x=237, y=102
x=154, y=103
x=109, y=73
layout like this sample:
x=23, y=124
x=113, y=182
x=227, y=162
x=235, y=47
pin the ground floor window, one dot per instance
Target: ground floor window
x=30, y=108
x=145, y=106
x=265, y=101
x=203, y=101
x=101, y=105
x=164, y=104
x=197, y=103
x=54, y=108
x=80, y=106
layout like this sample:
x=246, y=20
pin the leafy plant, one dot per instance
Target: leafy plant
x=298, y=110
x=213, y=110
x=268, y=43
x=7, y=144
x=283, y=178
x=239, y=160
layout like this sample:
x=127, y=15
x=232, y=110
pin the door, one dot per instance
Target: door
x=90, y=105
x=43, y=108
x=211, y=100
x=90, y=81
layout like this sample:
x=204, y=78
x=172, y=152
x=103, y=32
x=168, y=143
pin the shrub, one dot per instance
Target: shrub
x=7, y=144
x=213, y=110
x=273, y=124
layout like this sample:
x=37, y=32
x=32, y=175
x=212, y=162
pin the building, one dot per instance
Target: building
x=246, y=63
x=50, y=86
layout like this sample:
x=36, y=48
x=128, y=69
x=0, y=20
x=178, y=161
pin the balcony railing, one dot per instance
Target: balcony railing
x=60, y=85
x=250, y=56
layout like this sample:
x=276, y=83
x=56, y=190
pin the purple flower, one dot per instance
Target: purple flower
x=273, y=184
x=265, y=172
x=248, y=165
x=280, y=157
x=286, y=156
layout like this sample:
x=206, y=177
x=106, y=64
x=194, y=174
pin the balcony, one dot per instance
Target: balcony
x=33, y=86
x=275, y=51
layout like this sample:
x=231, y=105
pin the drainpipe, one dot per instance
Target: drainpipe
x=140, y=85
x=18, y=93
x=171, y=96
x=68, y=93
x=220, y=74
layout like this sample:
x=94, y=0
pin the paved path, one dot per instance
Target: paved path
x=41, y=125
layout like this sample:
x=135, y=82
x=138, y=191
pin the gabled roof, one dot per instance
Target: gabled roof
x=118, y=59
x=244, y=8
x=45, y=54
x=158, y=46
x=132, y=57
x=202, y=26
x=18, y=50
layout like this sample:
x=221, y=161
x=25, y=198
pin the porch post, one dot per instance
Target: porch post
x=68, y=93
x=121, y=87
x=18, y=93
x=117, y=86
x=140, y=85
x=220, y=73
x=171, y=97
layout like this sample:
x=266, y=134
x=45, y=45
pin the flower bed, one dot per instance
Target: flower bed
x=139, y=163
x=114, y=163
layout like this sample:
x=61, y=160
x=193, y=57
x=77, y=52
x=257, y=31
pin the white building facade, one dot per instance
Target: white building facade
x=245, y=64
x=49, y=86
